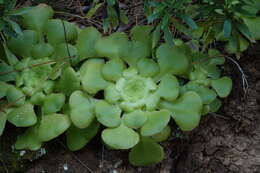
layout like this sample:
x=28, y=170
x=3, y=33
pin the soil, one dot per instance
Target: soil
x=225, y=142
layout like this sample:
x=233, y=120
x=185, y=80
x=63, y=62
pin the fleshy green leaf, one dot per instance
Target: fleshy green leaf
x=42, y=50
x=152, y=101
x=163, y=135
x=135, y=119
x=23, y=43
x=36, y=77
x=23, y=116
x=186, y=111
x=68, y=82
x=169, y=87
x=113, y=69
x=108, y=114
x=120, y=137
x=77, y=138
x=146, y=152
x=172, y=60
x=81, y=109
x=222, y=86
x=134, y=51
x=142, y=33
x=37, y=98
x=55, y=31
x=112, y=95
x=29, y=140
x=86, y=42
x=3, y=89
x=15, y=96
x=156, y=122
x=111, y=46
x=11, y=58
x=147, y=67
x=66, y=52
x=52, y=126
x=36, y=17
x=215, y=105
x=91, y=77
x=207, y=95
x=53, y=103
x=7, y=73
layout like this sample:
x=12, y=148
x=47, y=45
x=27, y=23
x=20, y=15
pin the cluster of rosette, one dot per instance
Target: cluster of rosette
x=74, y=80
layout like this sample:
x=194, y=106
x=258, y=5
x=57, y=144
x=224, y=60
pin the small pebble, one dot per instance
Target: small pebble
x=65, y=167
x=22, y=153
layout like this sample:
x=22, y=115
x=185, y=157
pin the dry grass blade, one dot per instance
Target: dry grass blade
x=37, y=65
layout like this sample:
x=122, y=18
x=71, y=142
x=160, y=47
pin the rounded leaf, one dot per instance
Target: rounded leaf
x=120, y=137
x=86, y=42
x=37, y=98
x=146, y=152
x=91, y=77
x=68, y=82
x=163, y=135
x=15, y=96
x=172, y=60
x=222, y=86
x=29, y=140
x=142, y=33
x=3, y=89
x=23, y=43
x=42, y=50
x=66, y=52
x=23, y=116
x=53, y=103
x=108, y=114
x=169, y=87
x=111, y=46
x=77, y=138
x=54, y=30
x=147, y=67
x=207, y=95
x=113, y=69
x=112, y=95
x=186, y=111
x=53, y=125
x=215, y=105
x=134, y=51
x=81, y=109
x=152, y=101
x=156, y=122
x=135, y=119
x=37, y=17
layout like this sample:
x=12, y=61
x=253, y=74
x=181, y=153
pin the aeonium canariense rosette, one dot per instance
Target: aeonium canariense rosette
x=123, y=84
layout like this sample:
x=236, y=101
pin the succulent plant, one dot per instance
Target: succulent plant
x=123, y=84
